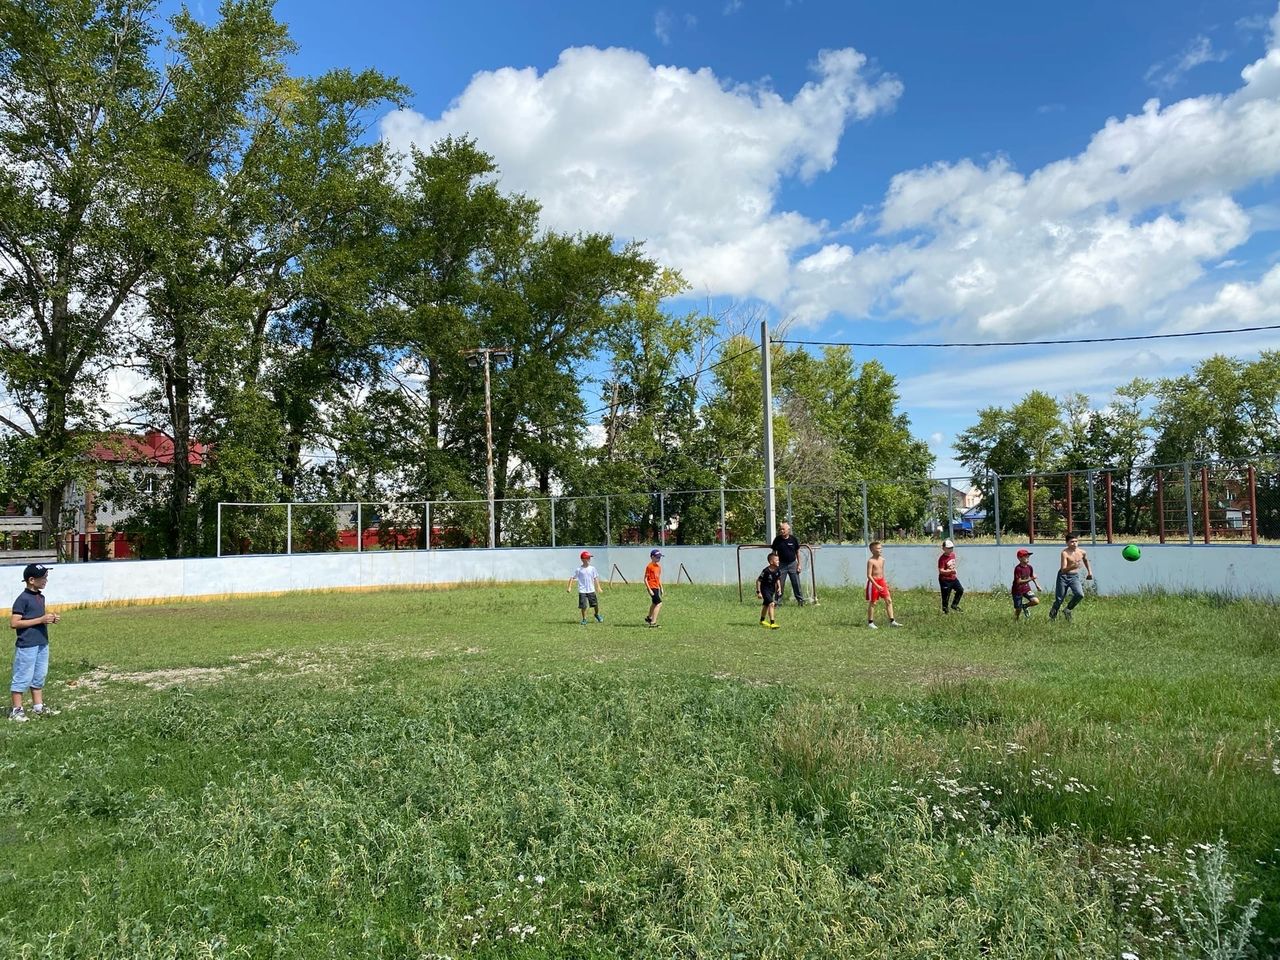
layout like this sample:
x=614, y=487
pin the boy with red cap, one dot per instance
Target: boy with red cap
x=1023, y=577
x=588, y=585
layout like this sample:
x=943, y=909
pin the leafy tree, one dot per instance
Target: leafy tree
x=80, y=102
x=1025, y=438
x=1225, y=409
x=190, y=301
x=1119, y=437
x=843, y=428
x=652, y=436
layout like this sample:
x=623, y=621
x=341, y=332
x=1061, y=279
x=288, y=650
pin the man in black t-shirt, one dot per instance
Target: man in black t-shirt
x=787, y=547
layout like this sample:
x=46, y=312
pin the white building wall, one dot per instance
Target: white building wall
x=1234, y=570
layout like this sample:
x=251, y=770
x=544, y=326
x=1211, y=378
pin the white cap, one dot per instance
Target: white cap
x=948, y=544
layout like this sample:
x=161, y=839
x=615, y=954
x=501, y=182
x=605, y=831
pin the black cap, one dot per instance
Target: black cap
x=34, y=571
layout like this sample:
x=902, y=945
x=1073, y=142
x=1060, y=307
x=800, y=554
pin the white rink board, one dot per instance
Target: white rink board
x=1228, y=569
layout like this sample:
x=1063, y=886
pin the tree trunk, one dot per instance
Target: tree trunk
x=433, y=404
x=177, y=386
x=53, y=441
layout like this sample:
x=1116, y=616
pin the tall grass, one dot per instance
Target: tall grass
x=471, y=773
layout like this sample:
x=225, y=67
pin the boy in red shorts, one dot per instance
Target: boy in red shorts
x=878, y=587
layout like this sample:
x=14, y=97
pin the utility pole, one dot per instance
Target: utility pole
x=770, y=509
x=481, y=357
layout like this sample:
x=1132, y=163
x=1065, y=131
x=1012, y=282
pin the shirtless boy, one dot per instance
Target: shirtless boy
x=1070, y=561
x=878, y=587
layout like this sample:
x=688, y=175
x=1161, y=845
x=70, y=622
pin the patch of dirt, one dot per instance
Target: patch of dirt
x=269, y=664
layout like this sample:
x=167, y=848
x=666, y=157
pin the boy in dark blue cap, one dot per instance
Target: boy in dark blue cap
x=31, y=654
x=653, y=583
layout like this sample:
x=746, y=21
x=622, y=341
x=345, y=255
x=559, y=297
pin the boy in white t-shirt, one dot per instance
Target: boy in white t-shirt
x=588, y=585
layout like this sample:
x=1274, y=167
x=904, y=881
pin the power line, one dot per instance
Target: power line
x=1029, y=343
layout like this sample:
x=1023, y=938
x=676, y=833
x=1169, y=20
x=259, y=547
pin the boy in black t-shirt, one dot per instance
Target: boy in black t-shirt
x=31, y=652
x=769, y=589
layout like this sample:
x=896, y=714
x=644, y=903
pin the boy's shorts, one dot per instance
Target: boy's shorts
x=878, y=590
x=587, y=600
x=1024, y=601
x=767, y=597
x=656, y=595
x=30, y=667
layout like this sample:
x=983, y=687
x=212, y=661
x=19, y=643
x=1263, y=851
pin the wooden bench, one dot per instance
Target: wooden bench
x=16, y=525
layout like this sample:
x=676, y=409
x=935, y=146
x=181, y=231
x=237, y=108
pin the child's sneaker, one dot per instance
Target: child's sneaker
x=18, y=715
x=763, y=622
x=648, y=621
x=894, y=623
x=44, y=710
x=583, y=621
x=871, y=625
x=773, y=625
x=599, y=619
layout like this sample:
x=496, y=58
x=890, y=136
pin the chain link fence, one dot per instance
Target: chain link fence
x=1190, y=502
x=1194, y=502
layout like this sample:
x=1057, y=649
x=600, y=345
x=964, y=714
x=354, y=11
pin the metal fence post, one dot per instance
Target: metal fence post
x=724, y=531
x=662, y=518
x=1160, y=502
x=288, y=529
x=790, y=516
x=1071, y=520
x=866, y=519
x=1204, y=501
x=553, y=521
x=608, y=531
x=1110, y=516
x=1253, y=505
x=1031, y=507
x=1186, y=491
x=359, y=528
x=219, y=550
x=951, y=512
x=426, y=519
x=1093, y=516
x=995, y=496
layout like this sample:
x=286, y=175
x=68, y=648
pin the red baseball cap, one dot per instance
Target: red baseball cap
x=585, y=555
x=1024, y=552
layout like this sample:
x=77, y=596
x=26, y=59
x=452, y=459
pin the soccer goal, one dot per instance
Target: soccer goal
x=813, y=577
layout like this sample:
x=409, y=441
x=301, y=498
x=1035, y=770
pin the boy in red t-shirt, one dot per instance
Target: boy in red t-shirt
x=1023, y=577
x=948, y=577
x=653, y=581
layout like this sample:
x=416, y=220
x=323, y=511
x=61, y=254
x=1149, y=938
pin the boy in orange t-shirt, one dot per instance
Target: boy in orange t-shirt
x=653, y=582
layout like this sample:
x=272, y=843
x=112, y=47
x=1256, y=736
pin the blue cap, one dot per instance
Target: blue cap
x=656, y=554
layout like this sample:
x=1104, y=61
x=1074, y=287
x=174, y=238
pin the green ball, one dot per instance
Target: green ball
x=1131, y=552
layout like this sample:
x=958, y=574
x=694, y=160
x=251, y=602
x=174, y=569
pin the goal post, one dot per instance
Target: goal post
x=813, y=577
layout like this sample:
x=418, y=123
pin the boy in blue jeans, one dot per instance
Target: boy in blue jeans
x=31, y=654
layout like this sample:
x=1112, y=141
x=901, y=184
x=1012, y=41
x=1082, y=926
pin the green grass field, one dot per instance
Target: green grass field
x=471, y=773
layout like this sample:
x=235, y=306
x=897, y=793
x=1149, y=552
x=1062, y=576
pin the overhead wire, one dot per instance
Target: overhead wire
x=1024, y=343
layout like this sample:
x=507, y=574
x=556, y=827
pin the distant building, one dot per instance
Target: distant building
x=147, y=460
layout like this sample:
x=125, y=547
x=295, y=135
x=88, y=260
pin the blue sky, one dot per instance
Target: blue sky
x=876, y=171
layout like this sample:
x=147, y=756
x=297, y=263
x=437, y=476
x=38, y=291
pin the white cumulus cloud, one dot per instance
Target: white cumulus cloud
x=1105, y=236
x=608, y=141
